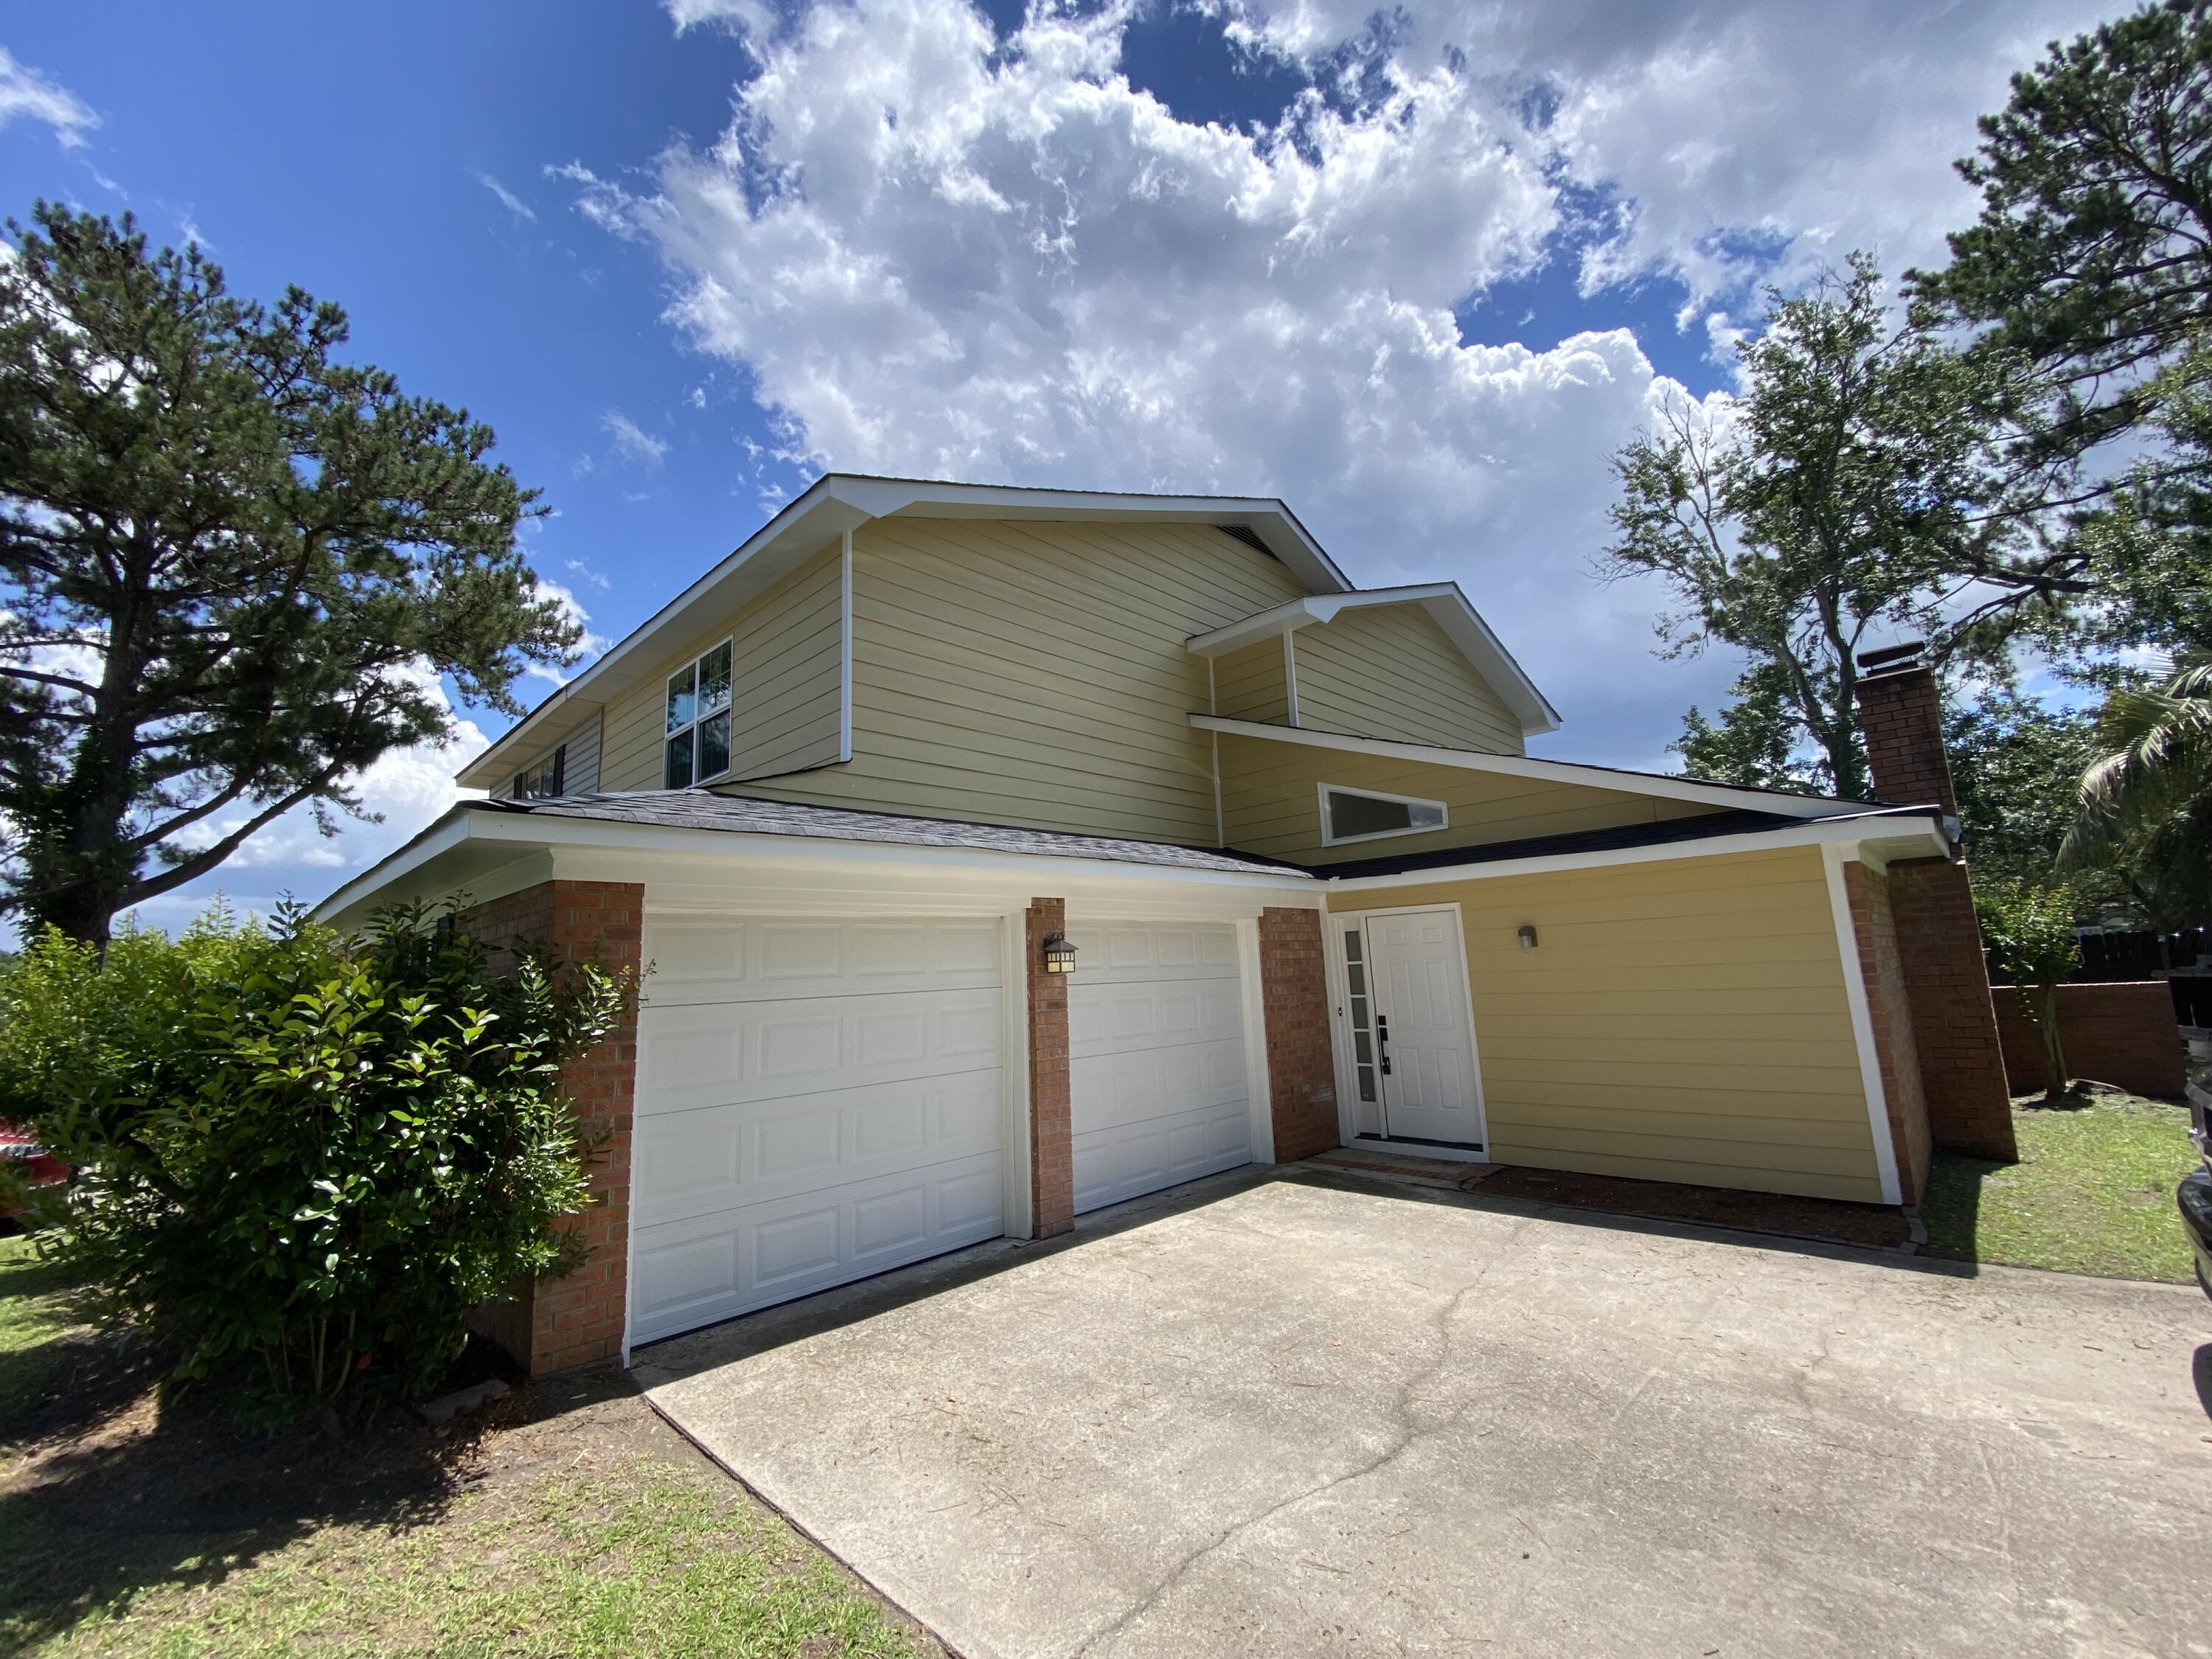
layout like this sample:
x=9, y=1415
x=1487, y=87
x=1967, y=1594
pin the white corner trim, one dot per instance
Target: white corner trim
x=1548, y=771
x=1290, y=682
x=1324, y=789
x=1014, y=1075
x=845, y=650
x=1257, y=1078
x=1855, y=994
x=1849, y=833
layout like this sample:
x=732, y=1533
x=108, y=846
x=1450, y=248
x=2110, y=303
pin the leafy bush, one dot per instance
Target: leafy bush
x=303, y=1158
x=2030, y=932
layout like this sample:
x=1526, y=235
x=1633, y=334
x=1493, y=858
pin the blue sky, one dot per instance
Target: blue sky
x=1419, y=279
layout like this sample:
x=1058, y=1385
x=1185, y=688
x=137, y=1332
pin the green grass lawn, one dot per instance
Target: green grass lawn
x=2092, y=1191
x=572, y=1522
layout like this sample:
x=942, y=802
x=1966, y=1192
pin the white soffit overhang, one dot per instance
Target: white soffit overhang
x=840, y=501
x=1546, y=771
x=1461, y=624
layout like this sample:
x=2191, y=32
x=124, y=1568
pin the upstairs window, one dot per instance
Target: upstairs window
x=699, y=721
x=544, y=780
x=1364, y=815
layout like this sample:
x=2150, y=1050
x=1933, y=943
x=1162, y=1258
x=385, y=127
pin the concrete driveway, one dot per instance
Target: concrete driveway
x=1327, y=1414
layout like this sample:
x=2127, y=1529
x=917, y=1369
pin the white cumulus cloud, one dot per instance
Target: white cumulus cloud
x=632, y=441
x=939, y=252
x=28, y=94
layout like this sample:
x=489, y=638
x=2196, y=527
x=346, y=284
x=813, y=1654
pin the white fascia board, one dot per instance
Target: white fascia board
x=838, y=503
x=1893, y=837
x=1444, y=602
x=465, y=825
x=1546, y=771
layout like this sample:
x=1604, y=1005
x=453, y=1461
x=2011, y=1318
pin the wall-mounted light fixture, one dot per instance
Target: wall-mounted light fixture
x=1528, y=937
x=1059, y=954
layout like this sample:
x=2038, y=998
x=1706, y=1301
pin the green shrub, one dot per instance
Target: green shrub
x=303, y=1159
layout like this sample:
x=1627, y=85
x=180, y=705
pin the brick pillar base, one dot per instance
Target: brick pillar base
x=1301, y=1069
x=1052, y=1158
x=1889, y=1006
x=554, y=1324
x=1954, y=1028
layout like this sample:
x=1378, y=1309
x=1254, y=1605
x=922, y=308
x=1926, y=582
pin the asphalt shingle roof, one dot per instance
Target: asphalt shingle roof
x=706, y=808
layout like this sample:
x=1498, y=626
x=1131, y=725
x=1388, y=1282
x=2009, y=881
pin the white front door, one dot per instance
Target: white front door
x=1156, y=1058
x=1424, y=1045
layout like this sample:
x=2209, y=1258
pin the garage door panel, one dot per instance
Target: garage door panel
x=778, y=959
x=705, y=1054
x=818, y=1100
x=1112, y=1018
x=1157, y=1059
x=691, y=1163
x=1108, y=953
x=692, y=1271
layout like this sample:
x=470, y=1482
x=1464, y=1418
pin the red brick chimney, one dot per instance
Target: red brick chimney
x=1954, y=1025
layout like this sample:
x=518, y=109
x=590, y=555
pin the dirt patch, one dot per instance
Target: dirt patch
x=1831, y=1220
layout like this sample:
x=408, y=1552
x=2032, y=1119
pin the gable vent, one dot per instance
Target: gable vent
x=1243, y=533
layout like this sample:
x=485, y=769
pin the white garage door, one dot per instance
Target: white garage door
x=1156, y=1048
x=817, y=1101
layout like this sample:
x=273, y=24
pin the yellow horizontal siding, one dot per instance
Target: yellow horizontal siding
x=784, y=702
x=1391, y=672
x=1036, y=673
x=1684, y=1019
x=1251, y=684
x=1271, y=801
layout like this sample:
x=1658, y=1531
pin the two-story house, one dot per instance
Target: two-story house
x=1002, y=853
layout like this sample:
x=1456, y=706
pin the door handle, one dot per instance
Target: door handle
x=1383, y=1042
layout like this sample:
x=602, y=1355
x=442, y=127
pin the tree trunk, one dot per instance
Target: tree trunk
x=2056, y=1081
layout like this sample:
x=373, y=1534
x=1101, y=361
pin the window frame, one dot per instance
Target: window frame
x=1329, y=838
x=690, y=728
x=556, y=763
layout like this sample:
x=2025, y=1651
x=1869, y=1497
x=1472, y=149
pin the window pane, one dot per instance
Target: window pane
x=1359, y=1013
x=1367, y=1084
x=1362, y=1050
x=714, y=746
x=1364, y=815
x=679, y=774
x=714, y=685
x=1351, y=946
x=1427, y=817
x=680, y=702
x=1356, y=976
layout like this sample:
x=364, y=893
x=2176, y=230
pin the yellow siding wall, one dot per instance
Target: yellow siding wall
x=1036, y=673
x=1683, y=1020
x=1270, y=800
x=1249, y=685
x=784, y=704
x=1389, y=671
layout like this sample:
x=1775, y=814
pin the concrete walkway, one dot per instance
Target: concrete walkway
x=1325, y=1413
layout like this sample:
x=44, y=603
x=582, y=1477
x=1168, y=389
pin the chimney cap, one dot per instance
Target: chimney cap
x=1892, y=657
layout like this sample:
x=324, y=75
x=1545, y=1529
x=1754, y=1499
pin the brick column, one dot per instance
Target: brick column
x=1052, y=1165
x=1947, y=980
x=1881, y=968
x=1294, y=998
x=557, y=1323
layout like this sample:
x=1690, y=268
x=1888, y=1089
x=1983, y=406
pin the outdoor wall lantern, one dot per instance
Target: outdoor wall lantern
x=1528, y=937
x=1059, y=955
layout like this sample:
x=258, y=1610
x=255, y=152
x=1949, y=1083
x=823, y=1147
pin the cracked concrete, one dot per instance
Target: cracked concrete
x=1324, y=1413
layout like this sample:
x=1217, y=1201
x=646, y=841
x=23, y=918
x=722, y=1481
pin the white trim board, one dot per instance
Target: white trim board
x=1902, y=841
x=1446, y=603
x=1855, y=996
x=1546, y=771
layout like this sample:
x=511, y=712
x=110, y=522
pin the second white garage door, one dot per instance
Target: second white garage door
x=1156, y=1050
x=817, y=1101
